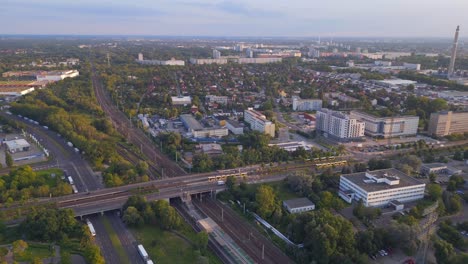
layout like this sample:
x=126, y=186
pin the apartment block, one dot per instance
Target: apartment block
x=387, y=126
x=445, y=123
x=259, y=122
x=339, y=125
x=299, y=104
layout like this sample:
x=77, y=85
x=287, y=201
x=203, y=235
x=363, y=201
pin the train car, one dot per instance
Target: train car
x=91, y=227
x=142, y=252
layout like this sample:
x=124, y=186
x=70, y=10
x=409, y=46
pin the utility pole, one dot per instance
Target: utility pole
x=263, y=251
x=222, y=215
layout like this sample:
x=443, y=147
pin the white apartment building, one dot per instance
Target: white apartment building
x=380, y=187
x=181, y=100
x=387, y=126
x=299, y=104
x=216, y=54
x=338, y=125
x=171, y=62
x=259, y=122
x=216, y=99
x=57, y=75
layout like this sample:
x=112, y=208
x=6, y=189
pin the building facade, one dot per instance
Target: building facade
x=259, y=122
x=387, y=126
x=234, y=127
x=57, y=75
x=338, y=125
x=445, y=123
x=299, y=104
x=380, y=187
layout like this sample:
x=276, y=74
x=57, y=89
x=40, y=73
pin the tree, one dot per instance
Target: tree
x=458, y=155
x=443, y=251
x=8, y=159
x=434, y=191
x=201, y=240
x=360, y=167
x=409, y=163
x=266, y=199
x=37, y=260
x=432, y=177
x=132, y=217
x=19, y=246
x=230, y=183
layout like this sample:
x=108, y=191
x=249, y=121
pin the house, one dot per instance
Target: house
x=298, y=205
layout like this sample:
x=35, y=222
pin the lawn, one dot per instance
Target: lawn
x=166, y=247
x=52, y=182
x=35, y=251
x=115, y=241
x=282, y=190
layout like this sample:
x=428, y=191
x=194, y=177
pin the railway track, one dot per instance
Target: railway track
x=245, y=236
x=164, y=166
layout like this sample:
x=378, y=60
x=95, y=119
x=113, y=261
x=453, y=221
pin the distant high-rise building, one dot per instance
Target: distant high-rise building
x=249, y=53
x=140, y=56
x=339, y=125
x=358, y=50
x=454, y=53
x=216, y=54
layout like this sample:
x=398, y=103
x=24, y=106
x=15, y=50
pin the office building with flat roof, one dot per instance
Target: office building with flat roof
x=259, y=122
x=380, y=187
x=298, y=205
x=299, y=104
x=445, y=123
x=338, y=125
x=198, y=131
x=387, y=126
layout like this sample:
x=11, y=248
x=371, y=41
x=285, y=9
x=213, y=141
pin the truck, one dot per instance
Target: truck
x=221, y=182
x=143, y=253
x=70, y=180
x=75, y=190
x=77, y=150
x=91, y=227
x=70, y=144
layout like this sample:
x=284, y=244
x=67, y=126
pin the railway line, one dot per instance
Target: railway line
x=165, y=166
x=246, y=236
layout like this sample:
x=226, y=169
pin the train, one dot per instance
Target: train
x=331, y=164
x=223, y=177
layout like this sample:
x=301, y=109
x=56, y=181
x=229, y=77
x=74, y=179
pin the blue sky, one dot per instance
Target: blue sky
x=405, y=18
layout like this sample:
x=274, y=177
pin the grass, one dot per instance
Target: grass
x=166, y=247
x=115, y=241
x=51, y=182
x=34, y=251
x=282, y=190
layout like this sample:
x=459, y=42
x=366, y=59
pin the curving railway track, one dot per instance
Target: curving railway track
x=164, y=166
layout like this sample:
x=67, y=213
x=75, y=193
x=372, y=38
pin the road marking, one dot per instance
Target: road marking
x=79, y=176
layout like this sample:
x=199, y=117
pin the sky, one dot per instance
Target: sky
x=304, y=18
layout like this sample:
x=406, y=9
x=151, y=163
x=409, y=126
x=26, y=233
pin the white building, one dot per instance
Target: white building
x=208, y=61
x=17, y=145
x=412, y=66
x=380, y=187
x=217, y=99
x=293, y=146
x=57, y=75
x=198, y=131
x=234, y=127
x=388, y=126
x=181, y=100
x=258, y=60
x=140, y=56
x=171, y=62
x=298, y=205
x=216, y=54
x=338, y=125
x=259, y=122
x=299, y=104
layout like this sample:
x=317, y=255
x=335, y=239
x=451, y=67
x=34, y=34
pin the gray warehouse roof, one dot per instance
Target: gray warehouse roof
x=190, y=122
x=298, y=202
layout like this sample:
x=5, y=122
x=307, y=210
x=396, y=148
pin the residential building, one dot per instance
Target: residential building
x=412, y=66
x=216, y=54
x=445, y=123
x=235, y=127
x=380, y=187
x=217, y=99
x=299, y=104
x=259, y=122
x=293, y=146
x=209, y=61
x=171, y=62
x=17, y=145
x=258, y=60
x=298, y=205
x=387, y=126
x=181, y=100
x=338, y=125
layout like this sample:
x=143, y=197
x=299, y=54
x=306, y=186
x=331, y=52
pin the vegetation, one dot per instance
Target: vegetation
x=23, y=183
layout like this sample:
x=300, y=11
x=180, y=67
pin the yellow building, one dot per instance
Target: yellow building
x=447, y=122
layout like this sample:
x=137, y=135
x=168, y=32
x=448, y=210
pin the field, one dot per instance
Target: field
x=35, y=251
x=167, y=247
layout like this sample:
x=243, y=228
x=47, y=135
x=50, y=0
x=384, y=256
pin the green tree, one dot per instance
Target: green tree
x=266, y=200
x=132, y=217
x=230, y=182
x=201, y=240
x=19, y=246
x=434, y=191
x=8, y=159
x=443, y=251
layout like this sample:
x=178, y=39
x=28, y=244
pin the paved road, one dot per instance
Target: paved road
x=103, y=240
x=126, y=238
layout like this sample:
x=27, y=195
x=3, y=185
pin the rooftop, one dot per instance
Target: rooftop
x=434, y=165
x=379, y=180
x=17, y=143
x=191, y=122
x=298, y=202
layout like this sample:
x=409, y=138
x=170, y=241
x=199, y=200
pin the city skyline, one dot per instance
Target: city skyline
x=335, y=18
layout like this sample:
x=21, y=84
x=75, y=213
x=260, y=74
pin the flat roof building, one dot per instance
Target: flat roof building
x=181, y=100
x=259, y=122
x=438, y=168
x=445, y=123
x=17, y=145
x=235, y=127
x=339, y=125
x=57, y=75
x=299, y=104
x=380, y=187
x=298, y=205
x=198, y=131
x=387, y=126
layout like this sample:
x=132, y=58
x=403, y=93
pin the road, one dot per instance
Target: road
x=103, y=240
x=63, y=156
x=126, y=238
